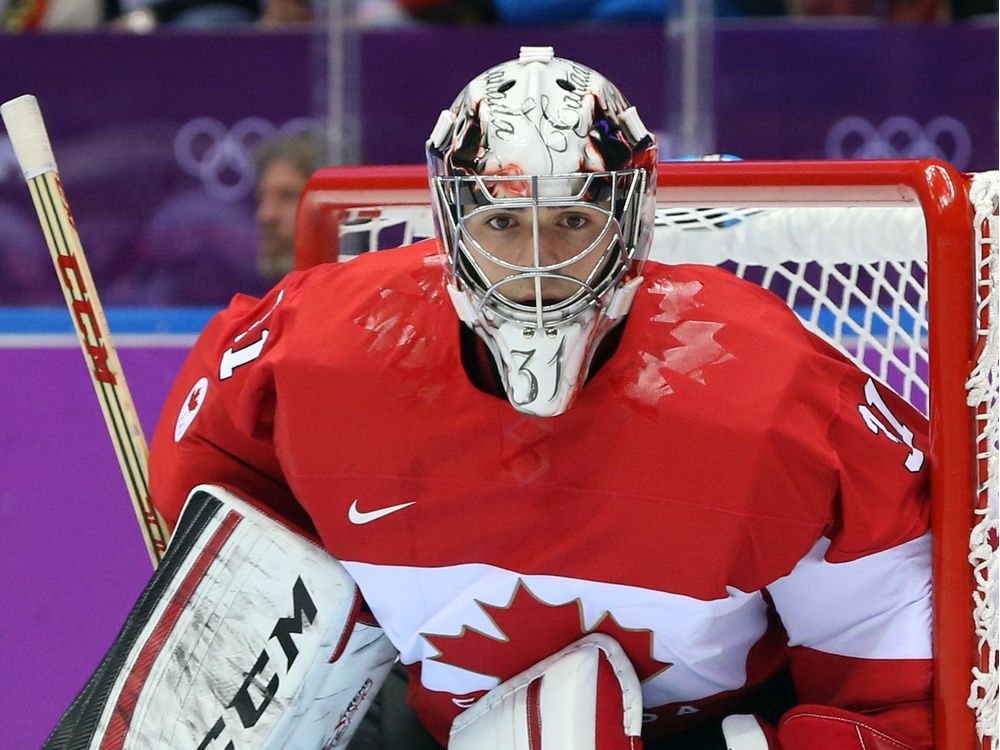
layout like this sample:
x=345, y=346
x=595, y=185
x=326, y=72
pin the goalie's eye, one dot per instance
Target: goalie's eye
x=574, y=221
x=501, y=222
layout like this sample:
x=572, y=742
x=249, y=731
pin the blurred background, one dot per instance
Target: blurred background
x=157, y=109
x=185, y=131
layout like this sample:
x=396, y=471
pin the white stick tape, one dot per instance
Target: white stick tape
x=23, y=120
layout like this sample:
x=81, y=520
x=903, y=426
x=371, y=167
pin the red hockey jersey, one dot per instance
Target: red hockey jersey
x=727, y=494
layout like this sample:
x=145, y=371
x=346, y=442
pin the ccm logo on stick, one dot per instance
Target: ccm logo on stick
x=247, y=708
x=83, y=311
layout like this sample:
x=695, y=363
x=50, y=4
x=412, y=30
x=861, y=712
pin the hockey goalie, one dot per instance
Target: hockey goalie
x=582, y=499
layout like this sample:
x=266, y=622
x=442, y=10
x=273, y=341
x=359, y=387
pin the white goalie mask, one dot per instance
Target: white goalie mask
x=543, y=182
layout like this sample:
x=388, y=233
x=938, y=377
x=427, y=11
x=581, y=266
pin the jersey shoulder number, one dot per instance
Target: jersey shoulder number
x=886, y=423
x=248, y=345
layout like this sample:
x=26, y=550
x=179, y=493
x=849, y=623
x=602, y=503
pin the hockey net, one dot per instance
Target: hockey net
x=895, y=263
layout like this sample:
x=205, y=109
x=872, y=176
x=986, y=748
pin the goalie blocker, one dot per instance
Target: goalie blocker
x=247, y=636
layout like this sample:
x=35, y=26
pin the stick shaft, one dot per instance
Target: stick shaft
x=105, y=369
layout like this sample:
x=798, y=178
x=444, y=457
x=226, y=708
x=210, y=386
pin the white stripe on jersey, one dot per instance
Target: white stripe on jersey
x=875, y=607
x=706, y=641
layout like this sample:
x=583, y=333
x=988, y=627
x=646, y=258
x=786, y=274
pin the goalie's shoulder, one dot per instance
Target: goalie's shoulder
x=691, y=303
x=711, y=292
x=329, y=292
x=713, y=286
x=345, y=290
x=337, y=301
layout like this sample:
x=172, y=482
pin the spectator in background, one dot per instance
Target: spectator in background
x=128, y=15
x=284, y=164
x=279, y=13
x=145, y=15
x=972, y=8
x=451, y=11
x=895, y=10
x=215, y=13
x=558, y=11
x=52, y=15
x=547, y=11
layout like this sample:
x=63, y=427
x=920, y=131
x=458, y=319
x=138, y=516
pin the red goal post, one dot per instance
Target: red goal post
x=895, y=262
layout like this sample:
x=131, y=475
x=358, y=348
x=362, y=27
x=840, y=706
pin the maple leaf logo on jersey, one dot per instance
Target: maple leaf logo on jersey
x=190, y=408
x=532, y=630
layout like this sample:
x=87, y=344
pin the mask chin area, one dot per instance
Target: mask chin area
x=536, y=265
x=543, y=369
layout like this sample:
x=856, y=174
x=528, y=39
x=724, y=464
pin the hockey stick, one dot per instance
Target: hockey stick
x=28, y=136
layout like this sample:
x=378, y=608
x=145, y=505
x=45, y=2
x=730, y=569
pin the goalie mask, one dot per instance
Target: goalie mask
x=543, y=183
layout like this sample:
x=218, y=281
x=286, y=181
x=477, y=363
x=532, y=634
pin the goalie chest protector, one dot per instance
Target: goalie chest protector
x=694, y=469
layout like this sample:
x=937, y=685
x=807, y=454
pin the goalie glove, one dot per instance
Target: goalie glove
x=247, y=636
x=585, y=697
x=825, y=728
x=809, y=727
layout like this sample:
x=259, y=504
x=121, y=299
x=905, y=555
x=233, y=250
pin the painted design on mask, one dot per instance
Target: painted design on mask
x=495, y=121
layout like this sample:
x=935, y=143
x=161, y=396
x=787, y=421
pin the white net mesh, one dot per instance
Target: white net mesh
x=982, y=386
x=366, y=230
x=856, y=277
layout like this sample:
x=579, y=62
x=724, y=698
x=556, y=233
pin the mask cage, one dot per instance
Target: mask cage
x=617, y=196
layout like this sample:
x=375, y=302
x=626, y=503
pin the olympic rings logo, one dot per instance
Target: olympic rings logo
x=900, y=137
x=222, y=158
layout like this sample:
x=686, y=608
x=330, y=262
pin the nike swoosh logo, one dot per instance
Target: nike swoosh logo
x=361, y=517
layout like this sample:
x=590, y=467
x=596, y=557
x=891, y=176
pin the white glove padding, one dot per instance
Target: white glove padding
x=747, y=732
x=247, y=636
x=586, y=697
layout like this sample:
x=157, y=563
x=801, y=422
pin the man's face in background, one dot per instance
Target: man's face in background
x=278, y=192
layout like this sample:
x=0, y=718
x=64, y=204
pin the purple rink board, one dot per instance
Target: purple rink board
x=72, y=561
x=154, y=134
